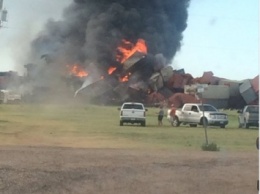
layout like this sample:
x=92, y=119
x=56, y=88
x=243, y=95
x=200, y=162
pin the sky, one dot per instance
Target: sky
x=221, y=36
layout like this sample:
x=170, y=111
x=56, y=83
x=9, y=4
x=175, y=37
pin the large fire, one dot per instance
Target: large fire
x=127, y=49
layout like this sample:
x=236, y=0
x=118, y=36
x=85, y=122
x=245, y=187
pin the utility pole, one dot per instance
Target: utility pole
x=200, y=90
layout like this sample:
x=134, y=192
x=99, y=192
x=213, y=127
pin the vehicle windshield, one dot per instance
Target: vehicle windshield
x=133, y=106
x=208, y=108
x=253, y=109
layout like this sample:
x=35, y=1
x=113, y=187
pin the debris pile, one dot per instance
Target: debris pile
x=175, y=87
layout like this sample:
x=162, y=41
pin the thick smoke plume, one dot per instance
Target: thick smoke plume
x=91, y=31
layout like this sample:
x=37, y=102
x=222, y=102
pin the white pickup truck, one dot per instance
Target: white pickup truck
x=249, y=116
x=199, y=114
x=9, y=96
x=132, y=112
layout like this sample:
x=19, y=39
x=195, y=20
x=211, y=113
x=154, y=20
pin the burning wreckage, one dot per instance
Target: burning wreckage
x=110, y=47
x=134, y=76
x=110, y=51
x=134, y=79
x=139, y=76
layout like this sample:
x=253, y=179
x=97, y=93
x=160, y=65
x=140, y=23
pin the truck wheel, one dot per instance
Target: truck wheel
x=143, y=123
x=176, y=122
x=222, y=126
x=246, y=125
x=121, y=123
x=239, y=124
x=193, y=125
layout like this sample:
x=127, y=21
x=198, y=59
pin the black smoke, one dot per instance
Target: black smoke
x=91, y=31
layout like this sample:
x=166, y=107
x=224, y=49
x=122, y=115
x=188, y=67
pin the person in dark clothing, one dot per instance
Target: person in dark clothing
x=160, y=116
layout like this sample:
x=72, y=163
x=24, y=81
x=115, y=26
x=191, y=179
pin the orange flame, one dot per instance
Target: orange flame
x=127, y=49
x=78, y=71
x=111, y=70
x=125, y=78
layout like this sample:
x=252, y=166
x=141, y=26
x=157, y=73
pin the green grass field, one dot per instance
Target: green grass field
x=98, y=127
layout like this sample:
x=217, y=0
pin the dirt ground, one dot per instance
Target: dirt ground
x=52, y=170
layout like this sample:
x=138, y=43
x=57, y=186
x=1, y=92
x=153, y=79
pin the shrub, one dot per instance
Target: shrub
x=210, y=147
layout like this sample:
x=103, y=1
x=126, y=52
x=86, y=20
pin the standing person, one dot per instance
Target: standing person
x=172, y=113
x=160, y=116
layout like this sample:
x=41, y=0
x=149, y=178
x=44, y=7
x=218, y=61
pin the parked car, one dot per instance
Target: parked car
x=132, y=112
x=10, y=96
x=248, y=116
x=199, y=114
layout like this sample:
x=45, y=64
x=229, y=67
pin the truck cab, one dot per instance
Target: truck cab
x=200, y=114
